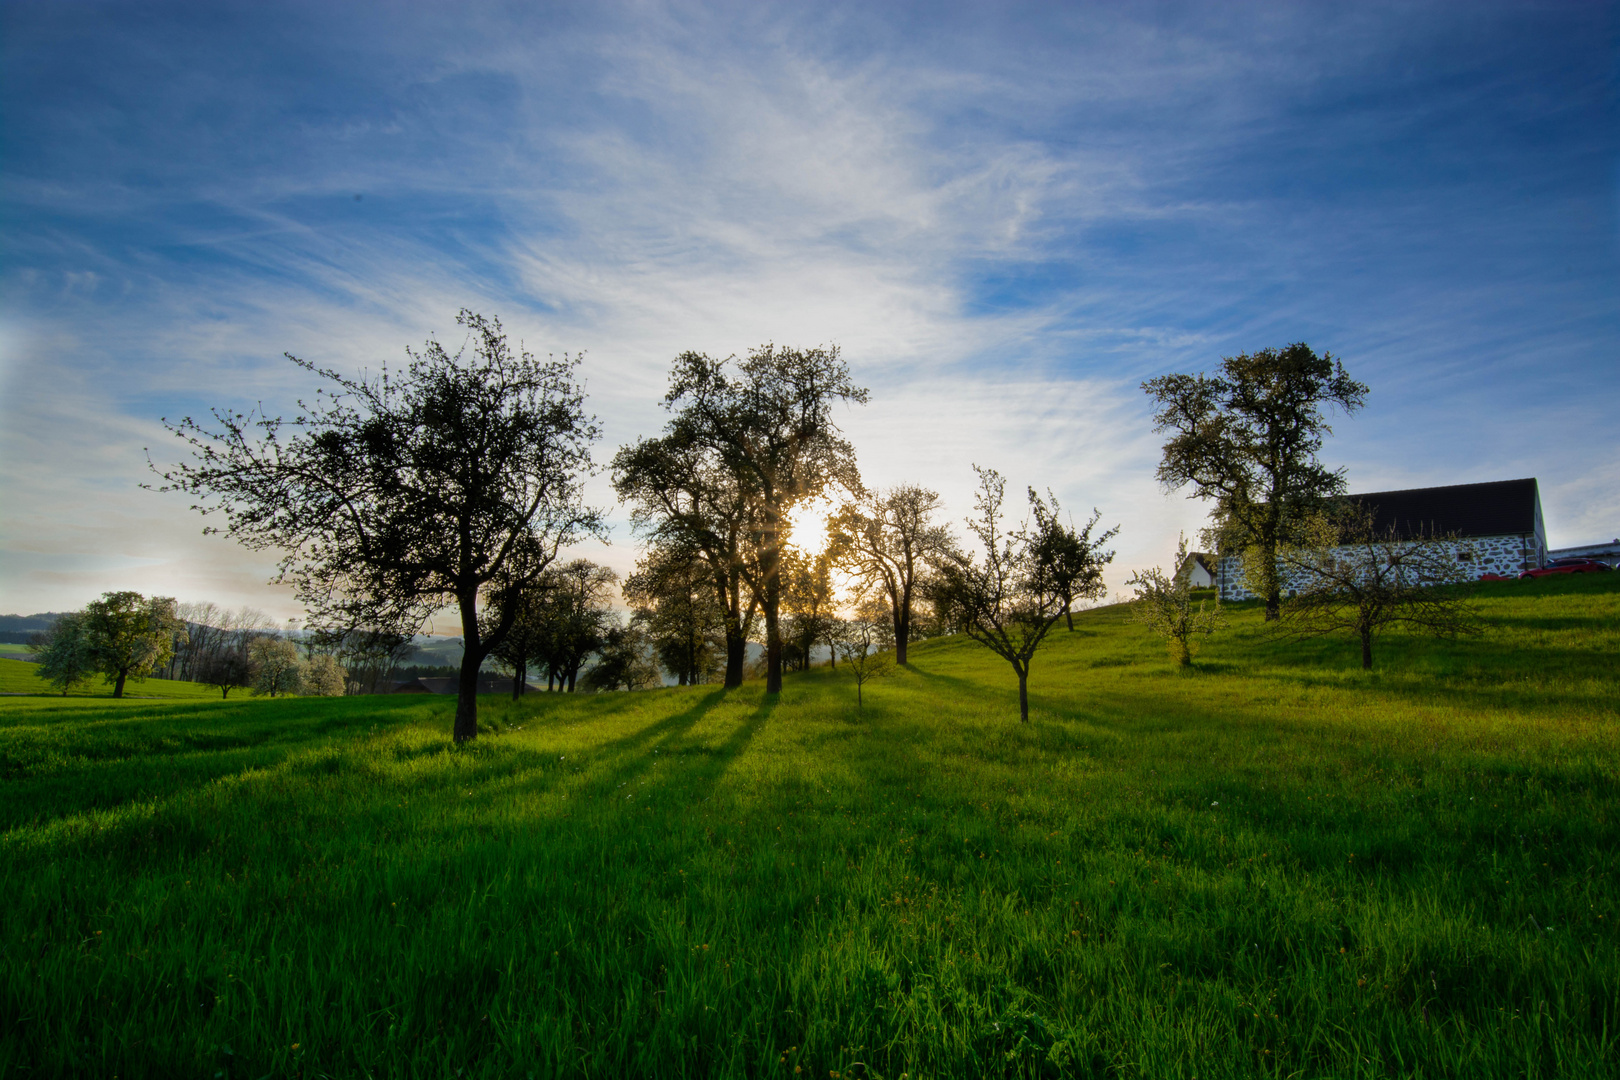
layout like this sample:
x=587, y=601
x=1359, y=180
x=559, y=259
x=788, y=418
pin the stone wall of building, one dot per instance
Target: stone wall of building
x=1505, y=556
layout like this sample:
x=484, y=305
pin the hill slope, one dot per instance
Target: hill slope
x=1276, y=865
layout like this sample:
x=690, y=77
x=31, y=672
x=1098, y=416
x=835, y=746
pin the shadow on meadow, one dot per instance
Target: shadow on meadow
x=56, y=765
x=684, y=763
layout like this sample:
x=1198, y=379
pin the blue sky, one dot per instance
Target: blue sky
x=1006, y=218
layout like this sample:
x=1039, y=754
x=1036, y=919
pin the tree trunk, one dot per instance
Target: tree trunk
x=1023, y=695
x=902, y=631
x=118, y=686
x=573, y=674
x=770, y=568
x=518, y=674
x=736, y=653
x=1366, y=650
x=1068, y=612
x=224, y=692
x=1179, y=650
x=773, y=642
x=1272, y=528
x=859, y=704
x=472, y=655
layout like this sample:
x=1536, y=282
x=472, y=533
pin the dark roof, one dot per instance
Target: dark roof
x=1498, y=508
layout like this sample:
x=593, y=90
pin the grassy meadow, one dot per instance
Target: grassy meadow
x=20, y=678
x=1274, y=865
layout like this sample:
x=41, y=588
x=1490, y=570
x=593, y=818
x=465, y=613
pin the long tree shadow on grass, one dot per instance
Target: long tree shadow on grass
x=682, y=769
x=688, y=770
x=62, y=771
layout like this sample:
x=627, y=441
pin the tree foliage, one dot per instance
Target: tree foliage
x=394, y=496
x=1247, y=438
x=624, y=661
x=1069, y=560
x=808, y=605
x=1349, y=576
x=674, y=601
x=1003, y=599
x=765, y=424
x=278, y=669
x=576, y=615
x=690, y=507
x=371, y=655
x=226, y=669
x=886, y=540
x=63, y=652
x=325, y=677
x=523, y=607
x=128, y=635
x=1164, y=605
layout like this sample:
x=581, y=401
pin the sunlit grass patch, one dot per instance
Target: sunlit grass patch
x=20, y=677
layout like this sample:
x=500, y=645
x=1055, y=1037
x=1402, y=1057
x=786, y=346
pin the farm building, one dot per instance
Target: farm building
x=1198, y=569
x=1496, y=526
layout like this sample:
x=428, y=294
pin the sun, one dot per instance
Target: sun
x=807, y=525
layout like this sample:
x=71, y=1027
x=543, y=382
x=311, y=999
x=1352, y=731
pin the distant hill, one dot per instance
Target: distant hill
x=29, y=623
x=17, y=629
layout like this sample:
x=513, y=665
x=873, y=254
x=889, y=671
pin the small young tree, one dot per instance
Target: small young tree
x=325, y=677
x=277, y=667
x=1164, y=605
x=63, y=652
x=226, y=669
x=864, y=642
x=1005, y=600
x=129, y=635
x=1351, y=576
x=1069, y=558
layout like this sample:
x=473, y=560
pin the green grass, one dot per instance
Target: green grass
x=1275, y=865
x=8, y=647
x=20, y=677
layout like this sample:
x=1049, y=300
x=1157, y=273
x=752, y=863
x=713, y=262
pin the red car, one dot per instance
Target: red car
x=1567, y=566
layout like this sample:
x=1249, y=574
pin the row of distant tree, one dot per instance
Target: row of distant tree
x=126, y=637
x=458, y=481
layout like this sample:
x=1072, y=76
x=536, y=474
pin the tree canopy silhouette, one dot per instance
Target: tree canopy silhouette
x=1247, y=438
x=397, y=495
